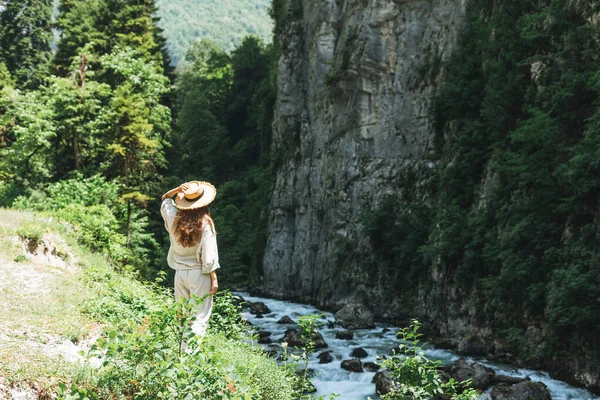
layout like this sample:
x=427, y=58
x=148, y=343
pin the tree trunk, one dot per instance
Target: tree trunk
x=128, y=223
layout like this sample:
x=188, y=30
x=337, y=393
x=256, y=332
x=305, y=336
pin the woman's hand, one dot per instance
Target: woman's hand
x=214, y=287
x=181, y=189
x=176, y=191
x=214, y=284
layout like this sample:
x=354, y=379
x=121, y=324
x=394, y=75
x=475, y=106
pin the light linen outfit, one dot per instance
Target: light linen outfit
x=192, y=266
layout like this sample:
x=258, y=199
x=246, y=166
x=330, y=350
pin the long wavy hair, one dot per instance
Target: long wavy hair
x=189, y=225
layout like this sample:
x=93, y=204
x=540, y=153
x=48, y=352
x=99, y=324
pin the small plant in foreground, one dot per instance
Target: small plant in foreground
x=32, y=232
x=416, y=377
x=226, y=316
x=20, y=258
x=309, y=331
x=161, y=358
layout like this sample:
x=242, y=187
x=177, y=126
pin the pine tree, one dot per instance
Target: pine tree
x=25, y=35
x=139, y=125
x=106, y=24
x=81, y=23
x=133, y=23
x=79, y=102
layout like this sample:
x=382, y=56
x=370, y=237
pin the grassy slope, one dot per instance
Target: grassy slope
x=224, y=21
x=41, y=307
x=51, y=308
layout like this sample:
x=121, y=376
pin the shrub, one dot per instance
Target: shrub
x=31, y=231
x=96, y=228
x=416, y=377
x=8, y=192
x=226, y=316
x=161, y=357
x=120, y=299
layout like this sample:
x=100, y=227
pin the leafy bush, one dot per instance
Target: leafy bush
x=254, y=368
x=120, y=299
x=162, y=358
x=416, y=377
x=31, y=231
x=96, y=228
x=91, y=191
x=9, y=191
x=226, y=316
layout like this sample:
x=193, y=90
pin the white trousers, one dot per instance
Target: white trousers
x=193, y=281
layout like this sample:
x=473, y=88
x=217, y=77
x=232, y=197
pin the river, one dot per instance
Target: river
x=332, y=379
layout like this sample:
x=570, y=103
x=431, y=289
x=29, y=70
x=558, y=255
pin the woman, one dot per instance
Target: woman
x=193, y=252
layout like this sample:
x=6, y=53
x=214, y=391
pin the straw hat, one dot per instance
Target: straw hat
x=198, y=194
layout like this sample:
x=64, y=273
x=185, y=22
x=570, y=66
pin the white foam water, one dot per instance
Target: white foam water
x=330, y=378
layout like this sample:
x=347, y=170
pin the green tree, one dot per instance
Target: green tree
x=79, y=102
x=25, y=35
x=202, y=92
x=28, y=123
x=134, y=24
x=139, y=125
x=80, y=23
x=106, y=24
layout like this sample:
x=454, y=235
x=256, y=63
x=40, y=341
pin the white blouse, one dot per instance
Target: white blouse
x=204, y=256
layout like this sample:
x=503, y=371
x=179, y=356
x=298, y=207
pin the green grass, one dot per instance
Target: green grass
x=44, y=305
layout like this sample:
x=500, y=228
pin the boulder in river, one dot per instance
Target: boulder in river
x=259, y=308
x=344, y=335
x=352, y=365
x=320, y=342
x=371, y=367
x=460, y=370
x=286, y=320
x=355, y=316
x=265, y=340
x=473, y=345
x=521, y=391
x=359, y=352
x=294, y=339
x=263, y=334
x=383, y=382
x=325, y=357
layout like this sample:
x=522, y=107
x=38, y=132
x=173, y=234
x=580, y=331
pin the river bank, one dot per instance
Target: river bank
x=330, y=378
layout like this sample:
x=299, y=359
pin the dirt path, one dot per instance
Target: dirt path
x=42, y=328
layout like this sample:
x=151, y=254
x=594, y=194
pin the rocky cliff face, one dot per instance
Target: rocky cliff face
x=354, y=126
x=353, y=118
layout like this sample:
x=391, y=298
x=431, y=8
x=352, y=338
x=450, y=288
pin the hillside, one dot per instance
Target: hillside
x=60, y=301
x=225, y=21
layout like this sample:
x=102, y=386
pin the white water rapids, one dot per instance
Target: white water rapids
x=331, y=378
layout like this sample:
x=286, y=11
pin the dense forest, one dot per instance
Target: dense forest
x=225, y=22
x=104, y=119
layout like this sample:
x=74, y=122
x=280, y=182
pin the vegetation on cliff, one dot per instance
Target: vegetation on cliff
x=515, y=216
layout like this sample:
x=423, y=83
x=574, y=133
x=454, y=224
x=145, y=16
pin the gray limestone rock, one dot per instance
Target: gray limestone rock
x=352, y=365
x=460, y=370
x=355, y=316
x=521, y=391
